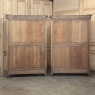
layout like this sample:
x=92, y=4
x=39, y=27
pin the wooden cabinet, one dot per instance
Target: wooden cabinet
x=70, y=44
x=27, y=45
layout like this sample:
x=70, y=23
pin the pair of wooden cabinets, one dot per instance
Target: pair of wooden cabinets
x=27, y=44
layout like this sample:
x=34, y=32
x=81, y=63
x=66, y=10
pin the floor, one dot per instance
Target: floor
x=50, y=85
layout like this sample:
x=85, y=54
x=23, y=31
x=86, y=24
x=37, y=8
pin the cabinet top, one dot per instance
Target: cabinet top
x=60, y=17
x=27, y=17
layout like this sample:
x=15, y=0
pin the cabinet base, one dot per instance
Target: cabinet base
x=20, y=72
x=69, y=71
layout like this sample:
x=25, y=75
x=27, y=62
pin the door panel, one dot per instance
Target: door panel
x=79, y=57
x=70, y=57
x=22, y=57
x=79, y=31
x=36, y=31
x=61, y=57
x=26, y=31
x=18, y=31
x=70, y=31
x=61, y=31
x=36, y=57
x=18, y=57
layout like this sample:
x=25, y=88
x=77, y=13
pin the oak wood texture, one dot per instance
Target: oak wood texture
x=27, y=45
x=70, y=44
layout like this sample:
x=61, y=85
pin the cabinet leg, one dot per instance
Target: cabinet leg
x=89, y=74
x=51, y=73
x=7, y=75
x=45, y=73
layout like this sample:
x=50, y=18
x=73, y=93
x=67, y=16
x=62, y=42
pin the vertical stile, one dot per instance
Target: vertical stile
x=51, y=47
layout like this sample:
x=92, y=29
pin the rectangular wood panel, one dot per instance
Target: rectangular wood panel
x=8, y=6
x=48, y=8
x=79, y=28
x=89, y=4
x=79, y=57
x=21, y=7
x=36, y=6
x=37, y=31
x=21, y=57
x=15, y=9
x=25, y=31
x=36, y=57
x=74, y=12
x=70, y=57
x=61, y=57
x=61, y=5
x=61, y=31
x=18, y=57
x=71, y=31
